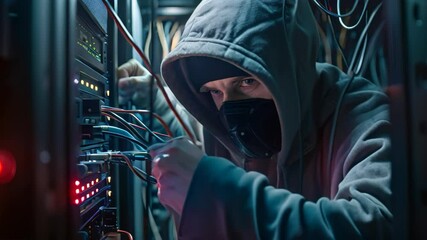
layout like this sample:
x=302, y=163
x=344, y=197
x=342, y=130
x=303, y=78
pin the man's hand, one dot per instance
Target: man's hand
x=174, y=164
x=134, y=83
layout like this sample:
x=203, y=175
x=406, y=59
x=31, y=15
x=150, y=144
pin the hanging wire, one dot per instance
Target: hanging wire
x=342, y=43
x=114, y=156
x=326, y=10
x=131, y=41
x=362, y=56
x=362, y=38
x=365, y=6
x=359, y=53
x=139, y=122
x=127, y=125
x=340, y=49
x=155, y=115
x=138, y=172
x=148, y=42
x=162, y=38
x=121, y=133
x=354, y=68
x=172, y=32
x=146, y=128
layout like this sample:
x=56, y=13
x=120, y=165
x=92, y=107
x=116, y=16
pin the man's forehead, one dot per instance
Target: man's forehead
x=201, y=70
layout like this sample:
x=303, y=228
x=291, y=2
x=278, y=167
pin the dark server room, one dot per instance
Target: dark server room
x=213, y=119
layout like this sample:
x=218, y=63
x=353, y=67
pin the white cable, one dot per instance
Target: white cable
x=335, y=14
x=176, y=37
x=172, y=32
x=148, y=43
x=162, y=38
x=360, y=17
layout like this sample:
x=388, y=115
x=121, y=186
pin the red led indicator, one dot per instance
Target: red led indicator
x=87, y=195
x=76, y=201
x=88, y=185
x=97, y=190
x=93, y=193
x=7, y=167
x=77, y=183
x=97, y=180
x=77, y=191
x=83, y=188
x=93, y=182
x=83, y=198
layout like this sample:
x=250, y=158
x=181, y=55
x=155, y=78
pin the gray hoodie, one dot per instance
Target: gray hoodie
x=304, y=191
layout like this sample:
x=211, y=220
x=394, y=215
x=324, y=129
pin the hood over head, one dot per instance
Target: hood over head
x=275, y=41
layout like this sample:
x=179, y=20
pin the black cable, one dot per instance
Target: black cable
x=134, y=111
x=371, y=53
x=363, y=52
x=147, y=128
x=137, y=155
x=125, y=137
x=362, y=36
x=134, y=132
x=138, y=172
x=112, y=158
x=129, y=127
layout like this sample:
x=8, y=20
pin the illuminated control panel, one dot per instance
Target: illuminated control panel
x=91, y=193
x=90, y=43
x=90, y=85
x=91, y=40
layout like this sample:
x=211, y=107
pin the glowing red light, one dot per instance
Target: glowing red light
x=76, y=201
x=87, y=195
x=97, y=180
x=7, y=167
x=83, y=198
x=77, y=183
x=93, y=182
x=83, y=188
x=93, y=193
x=77, y=191
x=88, y=185
x=97, y=190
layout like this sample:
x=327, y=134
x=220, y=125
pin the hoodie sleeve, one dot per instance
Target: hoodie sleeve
x=226, y=202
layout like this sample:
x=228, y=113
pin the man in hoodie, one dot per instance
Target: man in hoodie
x=293, y=148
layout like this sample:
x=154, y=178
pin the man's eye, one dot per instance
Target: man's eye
x=215, y=92
x=248, y=82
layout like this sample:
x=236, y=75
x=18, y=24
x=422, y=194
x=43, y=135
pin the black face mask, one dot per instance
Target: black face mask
x=254, y=126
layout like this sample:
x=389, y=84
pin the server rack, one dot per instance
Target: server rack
x=407, y=27
x=36, y=124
